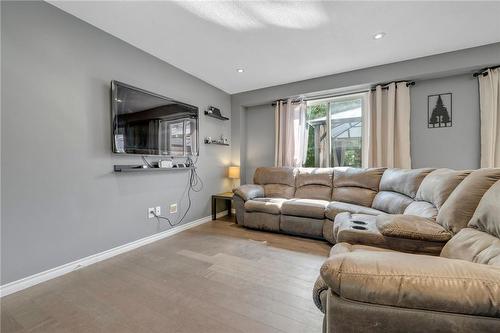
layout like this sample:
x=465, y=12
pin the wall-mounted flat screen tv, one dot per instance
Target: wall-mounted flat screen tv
x=145, y=123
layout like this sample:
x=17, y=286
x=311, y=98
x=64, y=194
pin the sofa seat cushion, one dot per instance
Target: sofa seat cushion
x=475, y=246
x=336, y=207
x=412, y=227
x=265, y=205
x=415, y=282
x=305, y=207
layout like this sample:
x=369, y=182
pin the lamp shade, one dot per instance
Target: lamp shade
x=233, y=172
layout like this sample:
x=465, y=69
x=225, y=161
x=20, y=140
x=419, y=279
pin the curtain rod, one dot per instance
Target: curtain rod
x=297, y=100
x=484, y=71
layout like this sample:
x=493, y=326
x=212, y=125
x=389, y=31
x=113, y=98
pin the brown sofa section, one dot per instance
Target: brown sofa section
x=458, y=291
x=307, y=201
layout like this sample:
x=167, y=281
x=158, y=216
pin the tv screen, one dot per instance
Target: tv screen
x=145, y=123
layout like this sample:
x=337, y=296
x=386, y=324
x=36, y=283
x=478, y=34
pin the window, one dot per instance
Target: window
x=335, y=131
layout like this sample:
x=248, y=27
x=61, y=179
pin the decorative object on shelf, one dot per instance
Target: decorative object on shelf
x=439, y=110
x=167, y=163
x=233, y=173
x=223, y=141
x=214, y=112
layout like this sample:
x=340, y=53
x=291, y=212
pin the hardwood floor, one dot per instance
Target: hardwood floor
x=217, y=277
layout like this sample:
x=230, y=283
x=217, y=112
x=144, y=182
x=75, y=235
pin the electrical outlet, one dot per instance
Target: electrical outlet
x=158, y=211
x=151, y=212
x=173, y=208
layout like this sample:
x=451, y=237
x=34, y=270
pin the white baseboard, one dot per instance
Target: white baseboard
x=35, y=279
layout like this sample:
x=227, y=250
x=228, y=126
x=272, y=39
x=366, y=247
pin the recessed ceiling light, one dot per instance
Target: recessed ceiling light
x=379, y=35
x=240, y=70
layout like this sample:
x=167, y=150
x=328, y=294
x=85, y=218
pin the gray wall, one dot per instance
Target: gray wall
x=259, y=139
x=60, y=199
x=421, y=69
x=456, y=147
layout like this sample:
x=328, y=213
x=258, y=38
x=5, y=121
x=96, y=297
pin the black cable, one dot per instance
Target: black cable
x=195, y=184
x=146, y=161
x=158, y=217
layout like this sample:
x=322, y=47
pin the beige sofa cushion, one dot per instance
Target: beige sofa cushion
x=423, y=209
x=356, y=186
x=439, y=184
x=415, y=282
x=273, y=175
x=475, y=246
x=305, y=207
x=314, y=183
x=460, y=206
x=354, y=195
x=411, y=227
x=404, y=181
x=357, y=177
x=334, y=208
x=265, y=205
x=391, y=202
x=398, y=187
x=314, y=176
x=487, y=215
x=277, y=182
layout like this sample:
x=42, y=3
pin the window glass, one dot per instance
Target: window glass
x=335, y=130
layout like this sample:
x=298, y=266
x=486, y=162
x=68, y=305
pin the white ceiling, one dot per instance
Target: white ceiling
x=281, y=42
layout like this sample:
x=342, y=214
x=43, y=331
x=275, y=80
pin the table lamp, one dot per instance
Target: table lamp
x=233, y=172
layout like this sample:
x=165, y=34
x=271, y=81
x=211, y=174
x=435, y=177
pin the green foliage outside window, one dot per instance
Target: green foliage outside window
x=352, y=151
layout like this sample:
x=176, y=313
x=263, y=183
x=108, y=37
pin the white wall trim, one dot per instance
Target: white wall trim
x=52, y=273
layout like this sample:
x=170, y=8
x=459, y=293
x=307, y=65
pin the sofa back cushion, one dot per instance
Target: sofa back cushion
x=314, y=183
x=355, y=185
x=422, y=209
x=460, y=206
x=438, y=185
x=398, y=188
x=486, y=218
x=277, y=182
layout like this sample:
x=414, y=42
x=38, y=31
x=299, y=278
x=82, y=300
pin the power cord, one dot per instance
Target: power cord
x=158, y=217
x=146, y=161
x=195, y=184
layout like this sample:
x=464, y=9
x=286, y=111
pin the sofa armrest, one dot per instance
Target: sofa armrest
x=415, y=281
x=249, y=191
x=412, y=227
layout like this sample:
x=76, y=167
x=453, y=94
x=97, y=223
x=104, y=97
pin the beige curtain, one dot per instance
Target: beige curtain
x=489, y=95
x=291, y=134
x=386, y=128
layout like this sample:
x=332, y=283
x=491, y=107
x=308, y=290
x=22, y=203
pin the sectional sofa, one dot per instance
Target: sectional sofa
x=414, y=249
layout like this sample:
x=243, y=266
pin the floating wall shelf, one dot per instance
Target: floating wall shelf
x=216, y=116
x=216, y=143
x=139, y=168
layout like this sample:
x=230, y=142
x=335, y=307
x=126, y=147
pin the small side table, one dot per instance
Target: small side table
x=226, y=196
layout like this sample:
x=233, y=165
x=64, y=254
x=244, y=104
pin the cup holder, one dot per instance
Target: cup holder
x=359, y=222
x=358, y=227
